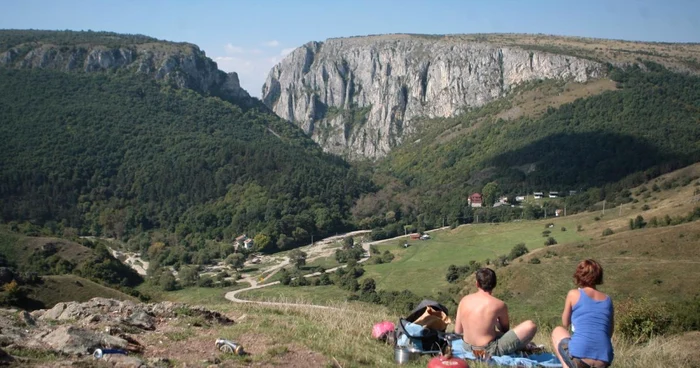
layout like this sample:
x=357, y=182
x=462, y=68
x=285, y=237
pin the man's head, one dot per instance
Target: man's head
x=485, y=279
x=588, y=273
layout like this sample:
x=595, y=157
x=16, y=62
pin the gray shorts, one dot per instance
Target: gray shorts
x=504, y=345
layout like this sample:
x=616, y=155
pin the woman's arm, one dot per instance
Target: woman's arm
x=568, y=305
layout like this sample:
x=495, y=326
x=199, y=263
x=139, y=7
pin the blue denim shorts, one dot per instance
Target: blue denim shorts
x=569, y=361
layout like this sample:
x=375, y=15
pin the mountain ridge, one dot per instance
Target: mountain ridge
x=359, y=96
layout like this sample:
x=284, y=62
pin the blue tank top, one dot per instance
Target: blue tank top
x=592, y=322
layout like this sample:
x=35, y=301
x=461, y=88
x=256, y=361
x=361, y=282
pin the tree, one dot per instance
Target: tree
x=236, y=260
x=639, y=222
x=348, y=242
x=188, y=275
x=490, y=193
x=297, y=258
x=167, y=281
x=261, y=241
x=368, y=285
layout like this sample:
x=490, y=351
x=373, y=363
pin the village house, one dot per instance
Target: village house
x=248, y=244
x=538, y=195
x=475, y=200
x=519, y=198
x=415, y=236
x=239, y=241
x=553, y=194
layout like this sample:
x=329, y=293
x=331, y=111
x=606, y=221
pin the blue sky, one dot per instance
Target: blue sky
x=250, y=37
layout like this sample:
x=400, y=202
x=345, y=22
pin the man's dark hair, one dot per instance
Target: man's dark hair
x=486, y=279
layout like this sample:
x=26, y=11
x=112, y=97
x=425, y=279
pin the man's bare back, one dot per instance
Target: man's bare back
x=478, y=315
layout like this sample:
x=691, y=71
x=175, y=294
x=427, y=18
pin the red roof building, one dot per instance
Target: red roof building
x=475, y=200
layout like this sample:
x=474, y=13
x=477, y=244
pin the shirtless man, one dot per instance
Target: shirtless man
x=479, y=315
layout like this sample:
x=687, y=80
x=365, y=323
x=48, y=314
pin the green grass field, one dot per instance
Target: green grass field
x=423, y=265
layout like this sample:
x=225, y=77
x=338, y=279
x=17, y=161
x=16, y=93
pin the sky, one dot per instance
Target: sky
x=250, y=37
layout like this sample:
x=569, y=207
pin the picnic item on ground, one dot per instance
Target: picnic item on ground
x=228, y=346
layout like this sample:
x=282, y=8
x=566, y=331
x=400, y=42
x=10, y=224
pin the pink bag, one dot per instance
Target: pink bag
x=380, y=329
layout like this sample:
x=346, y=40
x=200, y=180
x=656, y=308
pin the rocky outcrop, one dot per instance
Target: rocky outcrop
x=183, y=65
x=75, y=330
x=360, y=96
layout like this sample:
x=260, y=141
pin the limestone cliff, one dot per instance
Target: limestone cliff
x=182, y=64
x=359, y=96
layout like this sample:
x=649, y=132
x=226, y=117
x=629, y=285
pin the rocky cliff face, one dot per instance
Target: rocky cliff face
x=184, y=65
x=360, y=96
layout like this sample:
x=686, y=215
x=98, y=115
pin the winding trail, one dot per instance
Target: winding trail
x=232, y=295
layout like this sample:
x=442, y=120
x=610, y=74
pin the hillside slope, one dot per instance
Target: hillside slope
x=649, y=124
x=115, y=152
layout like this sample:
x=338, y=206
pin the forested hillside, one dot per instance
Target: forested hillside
x=615, y=140
x=117, y=154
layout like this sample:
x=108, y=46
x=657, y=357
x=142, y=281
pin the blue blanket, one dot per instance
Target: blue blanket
x=534, y=360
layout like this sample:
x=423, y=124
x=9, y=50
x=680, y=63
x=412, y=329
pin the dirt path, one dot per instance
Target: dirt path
x=232, y=295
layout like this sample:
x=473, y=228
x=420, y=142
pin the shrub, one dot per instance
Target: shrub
x=517, y=251
x=563, y=228
x=579, y=228
x=548, y=225
x=285, y=277
x=387, y=257
x=608, y=231
x=645, y=207
x=535, y=260
x=596, y=218
x=550, y=241
x=546, y=233
x=638, y=321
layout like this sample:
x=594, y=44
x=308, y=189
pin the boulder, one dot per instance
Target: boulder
x=54, y=312
x=78, y=341
x=142, y=320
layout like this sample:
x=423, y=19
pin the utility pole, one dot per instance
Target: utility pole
x=603, y=207
x=564, y=210
x=312, y=239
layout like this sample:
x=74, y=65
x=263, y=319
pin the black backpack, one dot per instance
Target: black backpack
x=431, y=340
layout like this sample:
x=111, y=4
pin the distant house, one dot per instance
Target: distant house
x=572, y=192
x=519, y=198
x=503, y=199
x=248, y=244
x=240, y=241
x=538, y=195
x=553, y=194
x=475, y=200
x=415, y=236
x=558, y=212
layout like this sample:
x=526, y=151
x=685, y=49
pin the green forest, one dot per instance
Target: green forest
x=596, y=146
x=118, y=155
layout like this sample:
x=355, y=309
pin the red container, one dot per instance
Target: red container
x=447, y=362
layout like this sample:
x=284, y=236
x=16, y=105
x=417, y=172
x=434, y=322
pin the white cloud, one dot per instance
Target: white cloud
x=285, y=52
x=273, y=43
x=230, y=49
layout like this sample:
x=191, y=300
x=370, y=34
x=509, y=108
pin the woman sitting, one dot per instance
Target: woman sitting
x=593, y=322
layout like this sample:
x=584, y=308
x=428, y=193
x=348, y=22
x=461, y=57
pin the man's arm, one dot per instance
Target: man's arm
x=458, y=320
x=503, y=321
